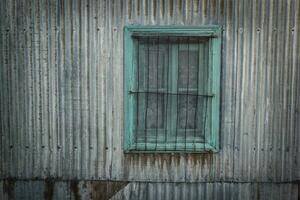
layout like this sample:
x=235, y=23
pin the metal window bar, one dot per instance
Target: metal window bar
x=187, y=96
x=138, y=95
x=177, y=102
x=206, y=102
x=167, y=95
x=170, y=93
x=157, y=87
x=204, y=124
x=146, y=107
x=165, y=92
x=196, y=106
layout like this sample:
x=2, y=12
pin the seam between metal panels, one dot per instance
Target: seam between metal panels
x=297, y=181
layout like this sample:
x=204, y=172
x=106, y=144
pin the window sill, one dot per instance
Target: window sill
x=171, y=148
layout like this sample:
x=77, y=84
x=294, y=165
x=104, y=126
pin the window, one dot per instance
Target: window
x=171, y=88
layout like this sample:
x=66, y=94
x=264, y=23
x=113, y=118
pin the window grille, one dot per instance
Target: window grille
x=171, y=90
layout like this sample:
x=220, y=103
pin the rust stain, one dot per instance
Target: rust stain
x=102, y=190
x=171, y=8
x=152, y=159
x=230, y=9
x=143, y=160
x=206, y=159
x=8, y=187
x=162, y=8
x=176, y=159
x=138, y=8
x=99, y=190
x=129, y=8
x=196, y=7
x=214, y=7
x=154, y=9
x=258, y=195
x=146, y=9
x=179, y=4
x=49, y=189
x=194, y=159
x=222, y=8
x=205, y=8
x=298, y=191
x=74, y=188
x=165, y=158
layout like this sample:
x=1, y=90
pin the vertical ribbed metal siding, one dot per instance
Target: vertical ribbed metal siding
x=88, y=190
x=62, y=90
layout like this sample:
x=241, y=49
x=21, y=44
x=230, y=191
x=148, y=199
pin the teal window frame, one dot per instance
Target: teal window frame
x=213, y=34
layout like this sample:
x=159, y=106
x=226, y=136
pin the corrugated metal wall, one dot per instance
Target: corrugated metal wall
x=87, y=190
x=61, y=99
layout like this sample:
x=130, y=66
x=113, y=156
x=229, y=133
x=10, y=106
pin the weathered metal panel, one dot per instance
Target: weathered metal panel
x=61, y=99
x=215, y=191
x=50, y=189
